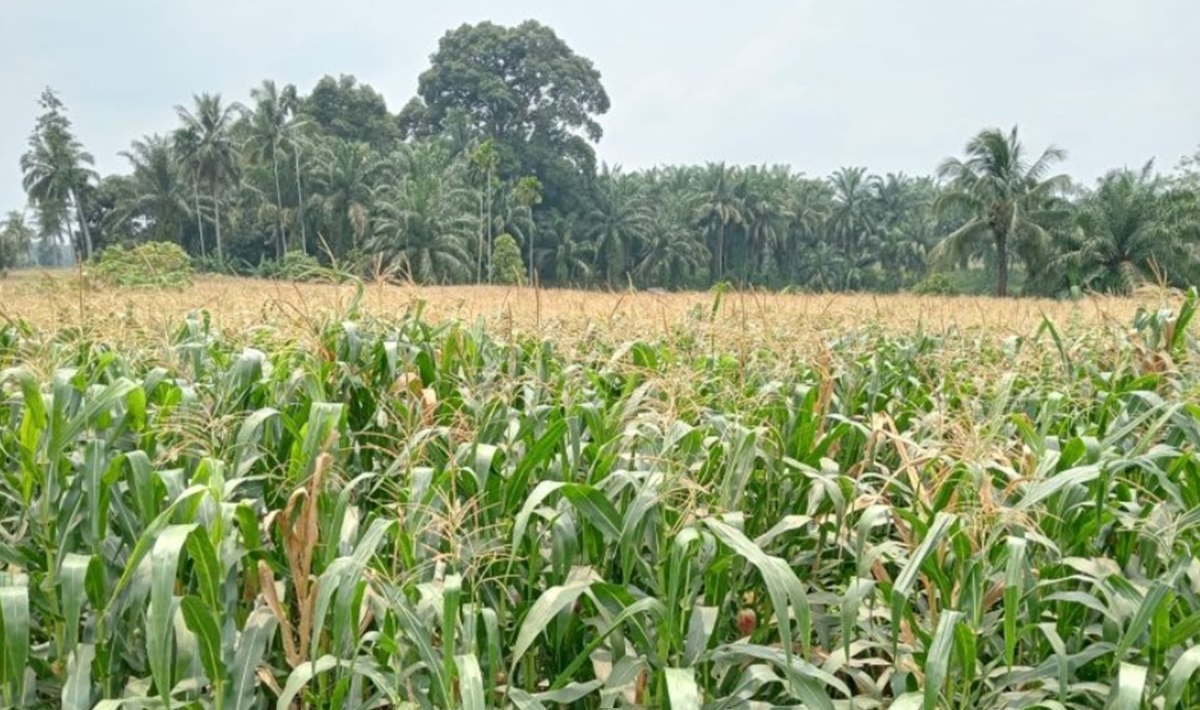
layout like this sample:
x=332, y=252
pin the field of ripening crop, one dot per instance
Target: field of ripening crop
x=246, y=496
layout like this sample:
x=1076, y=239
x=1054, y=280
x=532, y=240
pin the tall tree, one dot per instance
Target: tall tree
x=1123, y=235
x=206, y=146
x=524, y=88
x=617, y=222
x=56, y=168
x=269, y=130
x=15, y=239
x=156, y=192
x=720, y=208
x=345, y=109
x=485, y=159
x=1009, y=199
x=347, y=173
x=527, y=193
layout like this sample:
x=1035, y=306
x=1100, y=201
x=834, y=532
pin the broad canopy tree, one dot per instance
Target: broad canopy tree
x=524, y=88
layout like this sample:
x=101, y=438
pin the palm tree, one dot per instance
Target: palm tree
x=268, y=126
x=617, y=222
x=527, y=193
x=486, y=159
x=673, y=255
x=719, y=208
x=850, y=220
x=155, y=191
x=567, y=255
x=15, y=239
x=55, y=168
x=1009, y=199
x=424, y=226
x=1122, y=236
x=205, y=144
x=347, y=175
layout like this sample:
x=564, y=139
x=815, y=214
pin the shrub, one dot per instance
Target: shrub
x=155, y=264
x=507, y=267
x=934, y=285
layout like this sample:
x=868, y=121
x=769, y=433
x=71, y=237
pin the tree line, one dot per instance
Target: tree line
x=490, y=174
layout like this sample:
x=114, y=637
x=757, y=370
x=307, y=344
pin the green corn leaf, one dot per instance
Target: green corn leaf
x=208, y=570
x=937, y=662
x=907, y=701
x=199, y=619
x=859, y=589
x=144, y=544
x=470, y=682
x=73, y=579
x=908, y=575
x=255, y=638
x=681, y=689
x=1160, y=592
x=160, y=630
x=14, y=627
x=1014, y=581
x=451, y=599
x=536, y=456
x=305, y=672
x=77, y=689
x=700, y=631
x=543, y=611
x=1180, y=677
x=1131, y=687
x=783, y=586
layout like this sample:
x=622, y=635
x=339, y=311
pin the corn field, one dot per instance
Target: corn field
x=398, y=513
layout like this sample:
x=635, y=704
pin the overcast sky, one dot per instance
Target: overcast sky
x=818, y=84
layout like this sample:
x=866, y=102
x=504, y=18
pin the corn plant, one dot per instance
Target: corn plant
x=400, y=513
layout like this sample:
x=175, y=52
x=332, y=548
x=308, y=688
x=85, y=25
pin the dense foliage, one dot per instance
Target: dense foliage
x=152, y=264
x=393, y=514
x=426, y=191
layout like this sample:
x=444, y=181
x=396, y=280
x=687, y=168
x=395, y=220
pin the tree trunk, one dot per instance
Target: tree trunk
x=217, y=223
x=479, y=246
x=199, y=219
x=1002, y=265
x=489, y=223
x=530, y=254
x=720, y=250
x=281, y=246
x=300, y=207
x=83, y=227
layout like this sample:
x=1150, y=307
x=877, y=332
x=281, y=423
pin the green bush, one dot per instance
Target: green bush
x=934, y=285
x=156, y=264
x=507, y=267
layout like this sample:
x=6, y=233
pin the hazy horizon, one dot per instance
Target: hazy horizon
x=813, y=85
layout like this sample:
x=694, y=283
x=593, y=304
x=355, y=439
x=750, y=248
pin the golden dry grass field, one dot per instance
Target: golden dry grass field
x=53, y=301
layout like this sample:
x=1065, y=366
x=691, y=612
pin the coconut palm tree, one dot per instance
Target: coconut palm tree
x=1011, y=201
x=56, y=169
x=527, y=192
x=267, y=133
x=205, y=144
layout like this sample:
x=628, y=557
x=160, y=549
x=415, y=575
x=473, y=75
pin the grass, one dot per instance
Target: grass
x=251, y=494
